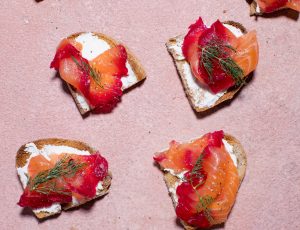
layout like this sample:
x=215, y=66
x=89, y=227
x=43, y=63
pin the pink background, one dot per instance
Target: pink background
x=264, y=116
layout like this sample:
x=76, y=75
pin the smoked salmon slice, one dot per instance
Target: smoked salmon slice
x=246, y=55
x=294, y=4
x=208, y=189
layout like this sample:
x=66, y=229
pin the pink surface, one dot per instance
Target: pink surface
x=264, y=116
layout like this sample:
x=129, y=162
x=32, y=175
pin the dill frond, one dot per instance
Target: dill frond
x=218, y=52
x=88, y=69
x=43, y=181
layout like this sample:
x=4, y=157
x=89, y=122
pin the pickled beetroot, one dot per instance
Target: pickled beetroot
x=85, y=183
x=200, y=220
x=34, y=199
x=196, y=180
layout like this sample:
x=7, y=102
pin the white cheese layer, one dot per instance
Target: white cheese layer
x=172, y=191
x=258, y=11
x=82, y=101
x=229, y=149
x=202, y=97
x=54, y=208
x=180, y=176
x=46, y=151
x=236, y=31
x=92, y=46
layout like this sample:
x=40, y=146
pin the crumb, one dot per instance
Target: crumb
x=224, y=11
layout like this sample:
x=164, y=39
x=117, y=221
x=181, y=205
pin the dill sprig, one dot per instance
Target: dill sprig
x=203, y=205
x=204, y=201
x=43, y=181
x=88, y=69
x=195, y=172
x=52, y=187
x=217, y=51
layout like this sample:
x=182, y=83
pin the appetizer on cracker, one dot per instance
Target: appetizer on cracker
x=97, y=70
x=60, y=174
x=214, y=62
x=203, y=177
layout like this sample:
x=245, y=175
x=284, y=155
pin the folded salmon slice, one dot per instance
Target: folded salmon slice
x=208, y=190
x=294, y=4
x=247, y=52
x=110, y=66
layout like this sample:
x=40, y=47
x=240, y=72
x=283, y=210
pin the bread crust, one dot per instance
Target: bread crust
x=241, y=156
x=137, y=68
x=22, y=157
x=180, y=69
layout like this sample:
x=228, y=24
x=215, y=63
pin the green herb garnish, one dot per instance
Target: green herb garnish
x=88, y=69
x=204, y=201
x=203, y=204
x=43, y=181
x=216, y=51
x=195, y=172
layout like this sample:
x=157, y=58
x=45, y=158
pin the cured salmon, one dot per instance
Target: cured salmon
x=269, y=6
x=219, y=59
x=246, y=55
x=208, y=189
x=98, y=80
x=62, y=177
